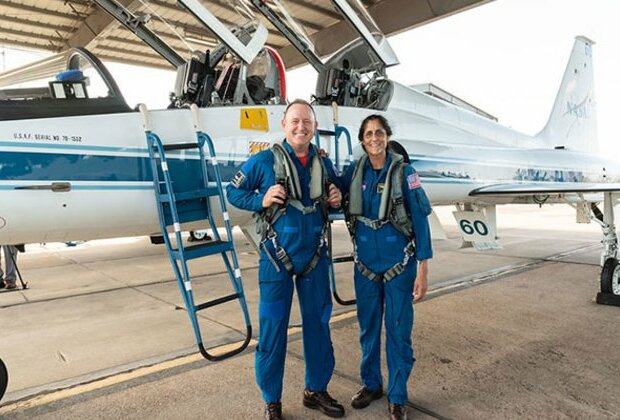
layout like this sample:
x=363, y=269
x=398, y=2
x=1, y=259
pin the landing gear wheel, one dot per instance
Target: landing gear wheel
x=199, y=235
x=610, y=277
x=4, y=378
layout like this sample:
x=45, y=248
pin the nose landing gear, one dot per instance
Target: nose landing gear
x=610, y=274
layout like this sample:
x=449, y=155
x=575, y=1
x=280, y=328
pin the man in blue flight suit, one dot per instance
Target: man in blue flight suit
x=386, y=248
x=292, y=253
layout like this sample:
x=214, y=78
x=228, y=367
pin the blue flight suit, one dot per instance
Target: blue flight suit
x=379, y=250
x=299, y=235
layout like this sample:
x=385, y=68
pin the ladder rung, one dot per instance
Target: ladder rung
x=337, y=260
x=217, y=301
x=181, y=146
x=326, y=132
x=202, y=250
x=336, y=216
x=191, y=195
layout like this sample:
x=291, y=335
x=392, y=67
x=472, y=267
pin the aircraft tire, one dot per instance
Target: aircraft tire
x=610, y=270
x=4, y=378
x=199, y=235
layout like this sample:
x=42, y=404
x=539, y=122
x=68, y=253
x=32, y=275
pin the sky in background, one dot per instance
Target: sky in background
x=506, y=57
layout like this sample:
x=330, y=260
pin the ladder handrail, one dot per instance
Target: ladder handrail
x=156, y=150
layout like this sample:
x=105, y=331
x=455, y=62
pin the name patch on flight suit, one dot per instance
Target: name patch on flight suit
x=238, y=179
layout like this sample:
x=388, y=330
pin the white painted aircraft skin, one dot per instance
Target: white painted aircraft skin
x=456, y=151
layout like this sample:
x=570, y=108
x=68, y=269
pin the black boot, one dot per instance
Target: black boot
x=273, y=411
x=365, y=396
x=398, y=412
x=324, y=402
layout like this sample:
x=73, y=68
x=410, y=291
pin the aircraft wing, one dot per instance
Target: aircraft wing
x=536, y=188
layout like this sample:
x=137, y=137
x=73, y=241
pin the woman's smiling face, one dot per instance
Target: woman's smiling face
x=375, y=139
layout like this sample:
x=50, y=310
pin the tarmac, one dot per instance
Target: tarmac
x=101, y=332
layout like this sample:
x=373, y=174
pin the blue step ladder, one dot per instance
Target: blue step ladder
x=336, y=134
x=181, y=200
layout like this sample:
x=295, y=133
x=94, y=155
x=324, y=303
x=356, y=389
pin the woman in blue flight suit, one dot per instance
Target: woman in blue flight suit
x=379, y=249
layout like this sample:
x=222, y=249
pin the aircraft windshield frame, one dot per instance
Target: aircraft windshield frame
x=357, y=15
x=246, y=52
x=294, y=26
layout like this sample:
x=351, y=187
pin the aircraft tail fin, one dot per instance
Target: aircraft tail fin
x=572, y=123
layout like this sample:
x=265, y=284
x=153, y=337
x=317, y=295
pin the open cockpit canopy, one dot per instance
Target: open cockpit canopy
x=71, y=83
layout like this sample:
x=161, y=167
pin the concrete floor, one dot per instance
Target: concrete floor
x=503, y=334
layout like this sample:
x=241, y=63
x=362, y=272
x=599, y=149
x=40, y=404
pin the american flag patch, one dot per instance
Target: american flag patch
x=414, y=181
x=238, y=179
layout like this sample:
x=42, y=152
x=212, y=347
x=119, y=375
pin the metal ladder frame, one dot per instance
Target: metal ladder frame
x=181, y=255
x=337, y=133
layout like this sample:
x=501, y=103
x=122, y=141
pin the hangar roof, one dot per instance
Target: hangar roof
x=55, y=25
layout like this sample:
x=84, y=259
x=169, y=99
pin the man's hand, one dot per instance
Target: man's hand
x=276, y=194
x=421, y=281
x=334, y=197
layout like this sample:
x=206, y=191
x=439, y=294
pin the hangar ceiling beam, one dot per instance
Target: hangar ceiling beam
x=137, y=26
x=30, y=24
x=29, y=35
x=27, y=44
x=95, y=25
x=21, y=8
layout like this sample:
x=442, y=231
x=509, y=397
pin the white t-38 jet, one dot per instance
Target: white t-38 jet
x=74, y=163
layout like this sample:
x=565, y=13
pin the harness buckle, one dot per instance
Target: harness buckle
x=280, y=252
x=271, y=235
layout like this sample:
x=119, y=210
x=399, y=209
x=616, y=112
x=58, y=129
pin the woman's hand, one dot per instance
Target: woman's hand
x=334, y=199
x=421, y=281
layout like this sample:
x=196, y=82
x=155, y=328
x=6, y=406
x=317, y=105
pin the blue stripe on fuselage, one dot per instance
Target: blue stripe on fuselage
x=44, y=166
x=26, y=166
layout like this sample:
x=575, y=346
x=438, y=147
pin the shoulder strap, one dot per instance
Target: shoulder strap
x=355, y=191
x=318, y=178
x=398, y=214
x=285, y=170
x=388, y=191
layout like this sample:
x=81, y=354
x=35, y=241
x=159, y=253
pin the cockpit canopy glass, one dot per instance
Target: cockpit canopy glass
x=358, y=16
x=281, y=8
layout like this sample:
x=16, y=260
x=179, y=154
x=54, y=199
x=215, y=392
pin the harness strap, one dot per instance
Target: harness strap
x=373, y=224
x=303, y=209
x=391, y=272
x=389, y=191
x=284, y=169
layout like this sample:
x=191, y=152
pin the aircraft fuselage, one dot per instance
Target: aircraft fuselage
x=105, y=161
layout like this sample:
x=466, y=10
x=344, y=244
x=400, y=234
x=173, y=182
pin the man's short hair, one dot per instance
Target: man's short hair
x=300, y=102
